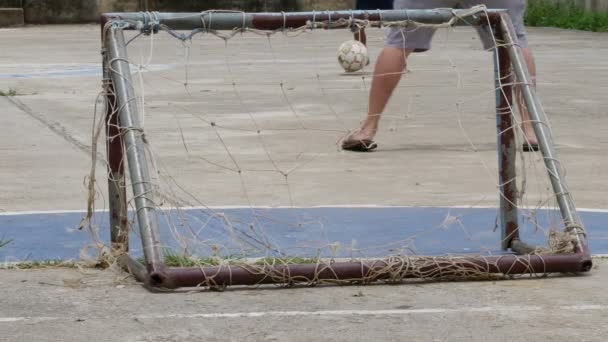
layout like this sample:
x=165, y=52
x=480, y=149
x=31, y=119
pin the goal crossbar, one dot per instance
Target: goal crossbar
x=229, y=20
x=126, y=143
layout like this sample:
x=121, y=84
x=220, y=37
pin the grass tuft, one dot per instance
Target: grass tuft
x=174, y=260
x=565, y=14
x=287, y=261
x=45, y=264
x=5, y=242
x=10, y=92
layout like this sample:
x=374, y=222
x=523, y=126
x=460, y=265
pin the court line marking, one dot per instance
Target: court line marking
x=335, y=313
x=342, y=206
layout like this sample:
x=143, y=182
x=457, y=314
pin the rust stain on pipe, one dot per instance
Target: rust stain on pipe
x=366, y=272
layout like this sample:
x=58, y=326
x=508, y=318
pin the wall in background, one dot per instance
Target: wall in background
x=79, y=11
x=11, y=13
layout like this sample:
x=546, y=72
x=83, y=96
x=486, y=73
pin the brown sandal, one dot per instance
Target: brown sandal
x=531, y=147
x=365, y=145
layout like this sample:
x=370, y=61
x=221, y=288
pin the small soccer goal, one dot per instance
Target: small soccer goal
x=223, y=134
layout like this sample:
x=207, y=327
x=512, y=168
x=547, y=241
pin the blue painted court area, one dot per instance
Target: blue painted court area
x=329, y=231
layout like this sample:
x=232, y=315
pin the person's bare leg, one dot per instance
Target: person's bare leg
x=361, y=36
x=387, y=74
x=529, y=135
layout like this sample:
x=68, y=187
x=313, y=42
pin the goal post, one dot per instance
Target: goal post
x=126, y=149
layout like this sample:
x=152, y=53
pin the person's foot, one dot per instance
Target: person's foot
x=361, y=141
x=529, y=147
x=366, y=132
x=530, y=141
x=359, y=145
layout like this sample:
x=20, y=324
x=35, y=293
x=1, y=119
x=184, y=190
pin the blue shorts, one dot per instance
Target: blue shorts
x=373, y=5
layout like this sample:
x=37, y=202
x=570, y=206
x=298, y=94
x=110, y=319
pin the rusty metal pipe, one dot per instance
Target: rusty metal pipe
x=507, y=149
x=218, y=20
x=117, y=194
x=543, y=133
x=373, y=271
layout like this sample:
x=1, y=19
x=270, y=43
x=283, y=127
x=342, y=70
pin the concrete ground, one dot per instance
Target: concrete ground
x=45, y=156
x=66, y=305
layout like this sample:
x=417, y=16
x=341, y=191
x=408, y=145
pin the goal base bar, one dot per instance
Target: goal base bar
x=389, y=270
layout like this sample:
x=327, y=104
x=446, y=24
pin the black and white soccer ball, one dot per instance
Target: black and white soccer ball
x=352, y=56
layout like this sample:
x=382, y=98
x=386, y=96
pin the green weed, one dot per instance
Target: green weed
x=174, y=260
x=4, y=242
x=10, y=92
x=565, y=15
x=30, y=265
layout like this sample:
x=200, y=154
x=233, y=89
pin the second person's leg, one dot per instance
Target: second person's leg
x=517, y=10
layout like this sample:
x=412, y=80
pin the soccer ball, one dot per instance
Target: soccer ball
x=352, y=56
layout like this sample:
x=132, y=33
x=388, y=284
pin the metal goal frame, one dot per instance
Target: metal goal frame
x=126, y=142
